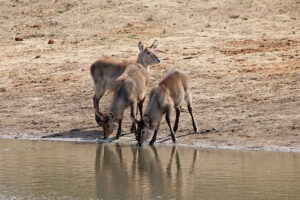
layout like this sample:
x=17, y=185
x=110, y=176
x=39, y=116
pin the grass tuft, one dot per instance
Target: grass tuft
x=234, y=16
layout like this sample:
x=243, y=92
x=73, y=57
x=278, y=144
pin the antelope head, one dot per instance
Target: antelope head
x=109, y=122
x=143, y=130
x=146, y=56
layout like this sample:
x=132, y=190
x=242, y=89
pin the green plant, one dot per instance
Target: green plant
x=65, y=10
x=132, y=37
x=104, y=38
x=149, y=18
x=207, y=25
x=234, y=16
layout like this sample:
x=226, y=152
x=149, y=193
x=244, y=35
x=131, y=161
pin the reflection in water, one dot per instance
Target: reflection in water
x=146, y=177
x=60, y=170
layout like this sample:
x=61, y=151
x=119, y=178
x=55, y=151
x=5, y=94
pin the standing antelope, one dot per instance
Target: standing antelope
x=105, y=72
x=170, y=93
x=130, y=91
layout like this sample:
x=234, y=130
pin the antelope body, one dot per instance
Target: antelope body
x=130, y=91
x=170, y=93
x=105, y=72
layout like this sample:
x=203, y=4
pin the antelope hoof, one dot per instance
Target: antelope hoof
x=104, y=137
x=196, y=131
x=140, y=144
x=174, y=140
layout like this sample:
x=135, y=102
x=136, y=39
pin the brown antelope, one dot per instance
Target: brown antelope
x=106, y=71
x=130, y=91
x=170, y=93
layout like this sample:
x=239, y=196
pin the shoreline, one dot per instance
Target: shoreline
x=200, y=146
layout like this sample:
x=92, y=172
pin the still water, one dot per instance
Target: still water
x=65, y=170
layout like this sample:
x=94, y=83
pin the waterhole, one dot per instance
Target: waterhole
x=65, y=170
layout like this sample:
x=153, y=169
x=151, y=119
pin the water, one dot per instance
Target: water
x=62, y=170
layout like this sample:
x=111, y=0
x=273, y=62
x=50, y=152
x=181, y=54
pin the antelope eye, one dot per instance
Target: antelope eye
x=107, y=126
x=148, y=52
x=143, y=132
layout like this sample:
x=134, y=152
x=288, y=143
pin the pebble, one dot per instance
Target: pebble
x=51, y=41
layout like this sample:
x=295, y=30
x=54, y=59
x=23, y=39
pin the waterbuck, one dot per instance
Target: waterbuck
x=130, y=91
x=105, y=72
x=170, y=93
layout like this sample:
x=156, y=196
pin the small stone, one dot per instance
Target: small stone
x=36, y=26
x=51, y=41
x=38, y=56
x=19, y=39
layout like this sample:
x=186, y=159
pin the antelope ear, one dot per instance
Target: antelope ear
x=154, y=45
x=112, y=116
x=141, y=46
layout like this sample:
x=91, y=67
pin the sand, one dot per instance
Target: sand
x=242, y=58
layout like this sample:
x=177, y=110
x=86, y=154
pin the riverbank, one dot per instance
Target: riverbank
x=133, y=142
x=244, y=67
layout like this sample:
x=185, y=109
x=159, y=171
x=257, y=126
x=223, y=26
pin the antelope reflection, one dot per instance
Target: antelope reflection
x=134, y=172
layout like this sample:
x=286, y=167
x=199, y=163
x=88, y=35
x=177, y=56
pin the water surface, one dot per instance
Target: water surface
x=64, y=170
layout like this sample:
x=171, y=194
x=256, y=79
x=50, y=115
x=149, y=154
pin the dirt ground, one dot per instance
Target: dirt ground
x=242, y=57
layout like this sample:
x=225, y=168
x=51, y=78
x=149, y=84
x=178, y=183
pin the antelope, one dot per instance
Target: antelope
x=105, y=72
x=170, y=93
x=130, y=91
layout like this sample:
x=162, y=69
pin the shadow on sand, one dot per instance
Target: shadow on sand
x=93, y=133
x=88, y=133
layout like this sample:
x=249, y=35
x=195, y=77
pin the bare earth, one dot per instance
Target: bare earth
x=242, y=56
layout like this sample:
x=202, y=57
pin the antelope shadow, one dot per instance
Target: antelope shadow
x=87, y=133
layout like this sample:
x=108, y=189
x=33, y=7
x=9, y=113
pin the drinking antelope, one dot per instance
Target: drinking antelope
x=105, y=72
x=170, y=93
x=130, y=91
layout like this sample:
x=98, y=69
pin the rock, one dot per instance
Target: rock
x=51, y=41
x=19, y=39
x=36, y=26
